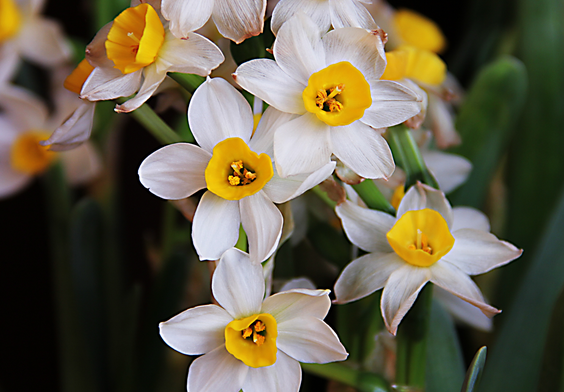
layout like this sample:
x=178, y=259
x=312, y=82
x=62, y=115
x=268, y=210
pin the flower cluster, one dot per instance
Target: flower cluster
x=319, y=110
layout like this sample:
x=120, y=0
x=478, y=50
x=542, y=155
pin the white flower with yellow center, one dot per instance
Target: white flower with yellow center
x=235, y=19
x=250, y=343
x=235, y=166
x=325, y=13
x=23, y=124
x=137, y=45
x=332, y=85
x=25, y=33
x=427, y=242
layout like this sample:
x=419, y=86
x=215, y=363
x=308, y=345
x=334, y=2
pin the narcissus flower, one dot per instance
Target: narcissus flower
x=23, y=124
x=136, y=46
x=234, y=166
x=25, y=33
x=251, y=344
x=77, y=128
x=332, y=85
x=427, y=242
x=235, y=19
x=325, y=13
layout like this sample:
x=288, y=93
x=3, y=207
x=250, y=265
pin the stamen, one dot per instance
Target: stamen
x=133, y=37
x=255, y=332
x=258, y=339
x=325, y=99
x=421, y=243
x=247, y=333
x=259, y=326
x=241, y=175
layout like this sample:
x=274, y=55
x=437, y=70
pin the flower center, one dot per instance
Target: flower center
x=421, y=237
x=418, y=64
x=338, y=94
x=417, y=30
x=252, y=339
x=28, y=156
x=234, y=171
x=76, y=79
x=135, y=38
x=10, y=19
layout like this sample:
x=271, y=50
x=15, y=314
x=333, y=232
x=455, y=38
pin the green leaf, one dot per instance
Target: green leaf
x=254, y=47
x=474, y=373
x=515, y=359
x=445, y=364
x=551, y=377
x=486, y=121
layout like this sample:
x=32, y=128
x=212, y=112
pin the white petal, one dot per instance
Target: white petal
x=75, y=131
x=152, y=80
x=109, y=83
x=265, y=79
x=281, y=190
x=350, y=13
x=400, y=293
x=308, y=339
x=23, y=109
x=186, y=15
x=288, y=305
x=298, y=49
x=197, y=330
x=284, y=376
x=469, y=218
x=318, y=11
x=216, y=226
x=363, y=150
x=455, y=281
x=462, y=311
x=262, y=222
x=450, y=170
x=302, y=146
x=263, y=138
x=239, y=20
x=298, y=283
x=9, y=62
x=82, y=164
x=366, y=228
x=175, y=171
x=422, y=196
x=360, y=47
x=238, y=284
x=365, y=275
x=441, y=117
x=218, y=111
x=476, y=252
x=392, y=103
x=193, y=55
x=42, y=41
x=217, y=371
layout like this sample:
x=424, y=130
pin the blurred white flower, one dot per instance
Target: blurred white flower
x=251, y=344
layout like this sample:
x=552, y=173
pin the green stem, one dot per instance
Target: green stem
x=372, y=196
x=154, y=124
x=363, y=381
x=411, y=340
x=190, y=82
x=407, y=155
x=242, y=241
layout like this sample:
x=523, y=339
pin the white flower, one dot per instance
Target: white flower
x=332, y=85
x=242, y=185
x=251, y=344
x=23, y=124
x=25, y=33
x=325, y=13
x=235, y=19
x=428, y=241
x=136, y=46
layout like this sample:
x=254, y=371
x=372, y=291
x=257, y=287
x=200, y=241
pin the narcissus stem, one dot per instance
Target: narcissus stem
x=242, y=241
x=190, y=82
x=412, y=342
x=372, y=196
x=408, y=157
x=362, y=381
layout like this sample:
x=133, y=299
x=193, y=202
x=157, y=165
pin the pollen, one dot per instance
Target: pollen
x=240, y=175
x=326, y=99
x=255, y=332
